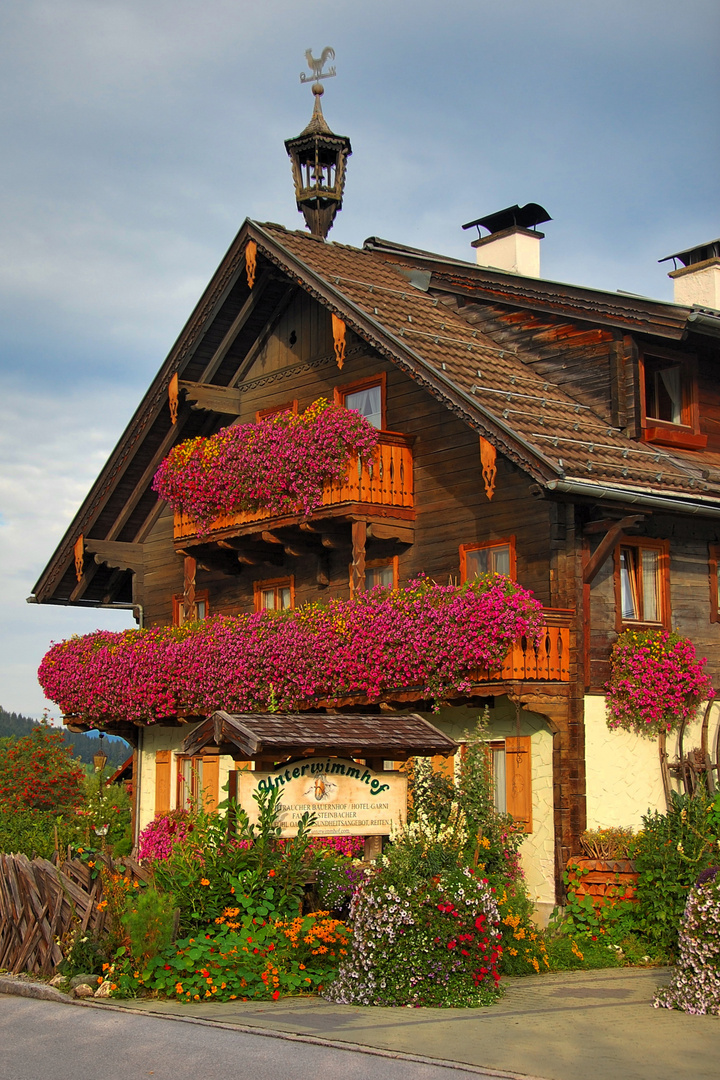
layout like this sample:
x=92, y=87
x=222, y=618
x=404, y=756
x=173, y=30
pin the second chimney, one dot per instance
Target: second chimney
x=514, y=243
x=697, y=280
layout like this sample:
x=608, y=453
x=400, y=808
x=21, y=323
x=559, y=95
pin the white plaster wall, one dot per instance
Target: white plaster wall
x=156, y=738
x=701, y=287
x=538, y=849
x=516, y=252
x=623, y=770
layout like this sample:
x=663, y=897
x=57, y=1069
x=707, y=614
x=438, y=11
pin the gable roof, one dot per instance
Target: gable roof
x=404, y=304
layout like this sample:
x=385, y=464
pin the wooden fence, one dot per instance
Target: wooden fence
x=39, y=903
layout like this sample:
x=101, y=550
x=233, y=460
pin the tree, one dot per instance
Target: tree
x=38, y=772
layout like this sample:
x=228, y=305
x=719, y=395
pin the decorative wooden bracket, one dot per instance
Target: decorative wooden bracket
x=357, y=567
x=488, y=456
x=79, y=553
x=606, y=545
x=338, y=331
x=251, y=262
x=173, y=398
x=188, y=601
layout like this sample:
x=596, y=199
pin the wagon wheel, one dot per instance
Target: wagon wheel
x=715, y=780
x=684, y=770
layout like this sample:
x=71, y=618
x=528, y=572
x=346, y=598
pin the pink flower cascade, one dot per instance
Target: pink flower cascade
x=656, y=682
x=279, y=464
x=427, y=638
x=159, y=837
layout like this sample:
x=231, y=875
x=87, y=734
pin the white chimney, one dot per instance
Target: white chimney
x=513, y=244
x=697, y=281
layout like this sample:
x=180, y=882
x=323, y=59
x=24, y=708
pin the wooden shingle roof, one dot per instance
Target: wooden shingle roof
x=266, y=735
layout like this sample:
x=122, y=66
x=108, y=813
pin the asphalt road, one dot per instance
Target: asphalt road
x=42, y=1040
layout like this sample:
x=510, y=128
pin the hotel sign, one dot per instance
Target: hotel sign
x=346, y=798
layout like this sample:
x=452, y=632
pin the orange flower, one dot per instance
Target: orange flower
x=204, y=881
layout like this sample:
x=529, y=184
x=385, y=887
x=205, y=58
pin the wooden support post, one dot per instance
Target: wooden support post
x=357, y=569
x=232, y=799
x=189, y=605
x=373, y=848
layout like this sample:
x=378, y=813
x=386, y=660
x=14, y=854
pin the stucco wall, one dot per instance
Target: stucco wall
x=166, y=738
x=538, y=848
x=623, y=770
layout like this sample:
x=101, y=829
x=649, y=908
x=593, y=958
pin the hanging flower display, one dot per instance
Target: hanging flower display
x=279, y=464
x=427, y=637
x=656, y=683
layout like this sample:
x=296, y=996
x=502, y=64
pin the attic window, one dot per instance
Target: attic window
x=366, y=397
x=670, y=408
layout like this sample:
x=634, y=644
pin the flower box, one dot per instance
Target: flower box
x=602, y=879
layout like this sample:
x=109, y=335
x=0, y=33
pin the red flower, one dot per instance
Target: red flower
x=452, y=943
x=276, y=995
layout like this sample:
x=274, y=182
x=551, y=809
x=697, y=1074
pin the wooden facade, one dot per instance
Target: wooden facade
x=514, y=418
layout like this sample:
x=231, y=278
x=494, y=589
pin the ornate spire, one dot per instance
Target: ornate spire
x=318, y=156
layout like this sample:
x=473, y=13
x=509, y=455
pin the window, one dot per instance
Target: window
x=381, y=572
x=202, y=608
x=277, y=595
x=198, y=782
x=189, y=782
x=366, y=397
x=714, y=584
x=511, y=764
x=669, y=401
x=497, y=557
x=641, y=582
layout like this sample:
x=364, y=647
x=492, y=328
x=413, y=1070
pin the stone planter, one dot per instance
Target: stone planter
x=603, y=879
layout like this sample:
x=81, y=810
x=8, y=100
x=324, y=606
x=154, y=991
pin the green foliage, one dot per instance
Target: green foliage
x=671, y=851
x=209, y=870
x=82, y=954
x=106, y=807
x=32, y=832
x=148, y=921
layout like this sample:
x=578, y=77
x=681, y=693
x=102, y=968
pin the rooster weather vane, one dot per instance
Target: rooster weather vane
x=316, y=65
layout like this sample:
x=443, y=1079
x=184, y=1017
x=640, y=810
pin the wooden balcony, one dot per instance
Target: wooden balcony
x=383, y=488
x=550, y=662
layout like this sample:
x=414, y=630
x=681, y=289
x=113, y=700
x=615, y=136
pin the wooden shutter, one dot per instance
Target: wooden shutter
x=211, y=781
x=518, y=780
x=162, y=781
x=444, y=765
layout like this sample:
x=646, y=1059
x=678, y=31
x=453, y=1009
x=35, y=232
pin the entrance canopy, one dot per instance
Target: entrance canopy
x=249, y=736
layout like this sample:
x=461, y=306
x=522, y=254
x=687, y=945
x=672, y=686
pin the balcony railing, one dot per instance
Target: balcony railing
x=386, y=482
x=550, y=661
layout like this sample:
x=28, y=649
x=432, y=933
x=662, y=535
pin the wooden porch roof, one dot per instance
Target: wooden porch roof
x=260, y=735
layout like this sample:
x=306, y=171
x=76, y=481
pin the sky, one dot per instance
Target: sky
x=136, y=136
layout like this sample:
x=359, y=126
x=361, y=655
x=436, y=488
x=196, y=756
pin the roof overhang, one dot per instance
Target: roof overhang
x=252, y=736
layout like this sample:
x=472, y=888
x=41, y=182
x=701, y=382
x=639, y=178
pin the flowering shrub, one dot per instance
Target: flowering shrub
x=350, y=846
x=433, y=942
x=280, y=463
x=695, y=985
x=38, y=772
x=249, y=959
x=655, y=683
x=427, y=637
x=159, y=837
x=611, y=843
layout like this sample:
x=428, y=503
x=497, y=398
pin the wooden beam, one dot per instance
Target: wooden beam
x=606, y=545
x=383, y=530
x=219, y=399
x=249, y=359
x=236, y=326
x=82, y=585
x=189, y=605
x=116, y=554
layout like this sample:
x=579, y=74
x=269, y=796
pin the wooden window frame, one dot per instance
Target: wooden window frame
x=391, y=560
x=274, y=583
x=341, y=392
x=200, y=597
x=518, y=775
x=508, y=541
x=207, y=790
x=686, y=435
x=663, y=549
x=713, y=554
x=287, y=406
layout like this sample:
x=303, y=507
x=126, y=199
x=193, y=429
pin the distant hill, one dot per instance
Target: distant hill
x=14, y=726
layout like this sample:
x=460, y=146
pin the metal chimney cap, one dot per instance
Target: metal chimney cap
x=523, y=217
x=699, y=253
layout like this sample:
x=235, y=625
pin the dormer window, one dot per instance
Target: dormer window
x=669, y=402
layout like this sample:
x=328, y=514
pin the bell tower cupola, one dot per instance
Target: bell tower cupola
x=318, y=156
